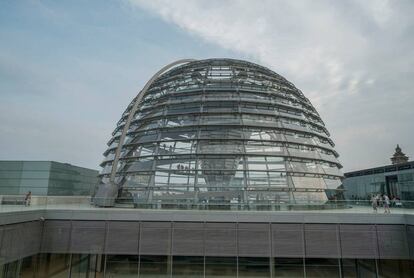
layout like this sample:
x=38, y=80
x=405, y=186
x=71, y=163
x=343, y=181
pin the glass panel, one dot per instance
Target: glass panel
x=182, y=134
x=322, y=268
x=254, y=267
x=265, y=163
x=366, y=268
x=144, y=150
x=83, y=265
x=143, y=164
x=188, y=266
x=288, y=267
x=308, y=182
x=219, y=180
x=146, y=136
x=27, y=268
x=278, y=179
x=220, y=163
x=224, y=107
x=268, y=135
x=349, y=268
x=181, y=121
x=215, y=96
x=256, y=120
x=180, y=165
x=185, y=97
x=138, y=180
x=222, y=267
x=122, y=266
x=183, y=108
x=396, y=268
x=332, y=184
x=175, y=147
x=154, y=266
x=309, y=197
x=220, y=147
x=258, y=179
x=220, y=119
x=227, y=133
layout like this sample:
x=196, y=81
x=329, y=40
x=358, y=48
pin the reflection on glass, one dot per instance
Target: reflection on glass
x=154, y=266
x=122, y=266
x=254, y=267
x=316, y=268
x=188, y=266
x=223, y=267
x=288, y=267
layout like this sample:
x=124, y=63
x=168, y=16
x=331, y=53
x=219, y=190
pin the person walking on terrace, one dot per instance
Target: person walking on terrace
x=28, y=199
x=386, y=203
x=374, y=203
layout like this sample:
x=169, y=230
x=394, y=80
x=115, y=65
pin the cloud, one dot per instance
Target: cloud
x=297, y=39
x=347, y=57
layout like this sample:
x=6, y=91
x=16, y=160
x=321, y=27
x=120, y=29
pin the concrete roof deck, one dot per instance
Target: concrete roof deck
x=356, y=215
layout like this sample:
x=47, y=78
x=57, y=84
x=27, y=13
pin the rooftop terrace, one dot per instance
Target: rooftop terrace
x=13, y=210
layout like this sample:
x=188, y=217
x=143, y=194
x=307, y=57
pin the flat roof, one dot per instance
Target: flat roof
x=10, y=214
x=50, y=161
x=382, y=169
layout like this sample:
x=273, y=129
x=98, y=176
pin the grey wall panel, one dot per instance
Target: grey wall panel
x=212, y=239
x=56, y=236
x=12, y=243
x=392, y=242
x=358, y=241
x=88, y=237
x=321, y=241
x=287, y=240
x=32, y=234
x=20, y=240
x=253, y=240
x=410, y=238
x=1, y=240
x=155, y=238
x=188, y=239
x=122, y=237
x=220, y=239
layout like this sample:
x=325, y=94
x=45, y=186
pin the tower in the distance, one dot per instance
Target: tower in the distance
x=399, y=157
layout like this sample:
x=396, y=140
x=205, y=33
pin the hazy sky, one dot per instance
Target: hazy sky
x=68, y=69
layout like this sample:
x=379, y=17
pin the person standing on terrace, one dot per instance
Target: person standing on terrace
x=386, y=203
x=374, y=202
x=27, y=199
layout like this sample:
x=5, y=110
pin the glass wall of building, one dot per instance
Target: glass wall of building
x=46, y=178
x=221, y=131
x=128, y=266
x=394, y=180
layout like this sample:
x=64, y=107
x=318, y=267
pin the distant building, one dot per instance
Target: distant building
x=396, y=179
x=46, y=178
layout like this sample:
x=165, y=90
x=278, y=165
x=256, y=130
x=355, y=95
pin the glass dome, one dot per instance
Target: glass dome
x=221, y=131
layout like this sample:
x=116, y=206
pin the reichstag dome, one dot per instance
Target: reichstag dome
x=220, y=132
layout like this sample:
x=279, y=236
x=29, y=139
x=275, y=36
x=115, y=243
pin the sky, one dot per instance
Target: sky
x=68, y=69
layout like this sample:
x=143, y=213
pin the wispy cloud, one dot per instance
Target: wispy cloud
x=340, y=54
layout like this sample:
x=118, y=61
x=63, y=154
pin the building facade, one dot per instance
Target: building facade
x=46, y=178
x=395, y=180
x=121, y=243
x=220, y=131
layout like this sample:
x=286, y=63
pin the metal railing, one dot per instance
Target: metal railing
x=10, y=203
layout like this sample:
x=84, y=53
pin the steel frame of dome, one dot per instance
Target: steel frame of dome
x=220, y=131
